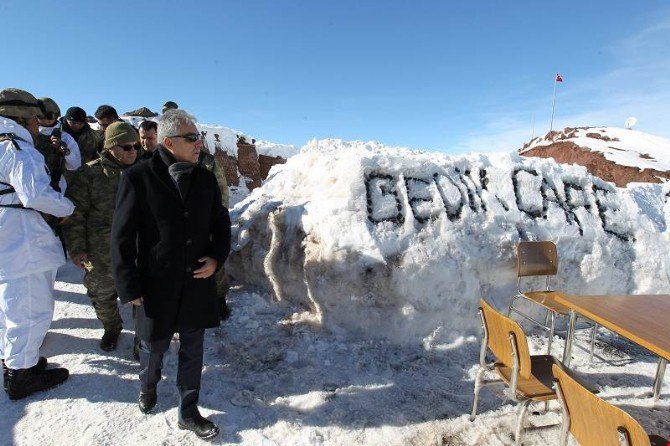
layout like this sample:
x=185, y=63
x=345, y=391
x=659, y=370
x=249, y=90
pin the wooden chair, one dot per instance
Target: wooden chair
x=593, y=421
x=528, y=377
x=536, y=259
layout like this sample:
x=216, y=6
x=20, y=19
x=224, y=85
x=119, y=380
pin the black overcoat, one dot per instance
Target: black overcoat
x=157, y=239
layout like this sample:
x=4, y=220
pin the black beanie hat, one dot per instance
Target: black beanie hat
x=76, y=114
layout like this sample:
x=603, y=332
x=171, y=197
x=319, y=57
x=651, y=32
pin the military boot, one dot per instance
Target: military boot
x=41, y=365
x=109, y=340
x=24, y=382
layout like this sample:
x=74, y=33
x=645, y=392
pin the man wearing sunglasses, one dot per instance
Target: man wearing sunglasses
x=87, y=231
x=169, y=236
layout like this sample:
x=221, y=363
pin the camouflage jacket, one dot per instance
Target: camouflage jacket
x=54, y=160
x=209, y=162
x=93, y=192
x=89, y=141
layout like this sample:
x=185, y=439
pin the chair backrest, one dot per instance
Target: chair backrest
x=536, y=259
x=498, y=328
x=592, y=420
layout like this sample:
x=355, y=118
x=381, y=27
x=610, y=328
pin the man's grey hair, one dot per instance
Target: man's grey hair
x=171, y=121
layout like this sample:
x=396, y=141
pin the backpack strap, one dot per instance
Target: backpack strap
x=12, y=137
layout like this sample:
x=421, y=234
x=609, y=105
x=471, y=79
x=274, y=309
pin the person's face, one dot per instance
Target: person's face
x=104, y=123
x=185, y=146
x=47, y=121
x=148, y=139
x=126, y=153
x=33, y=127
x=74, y=125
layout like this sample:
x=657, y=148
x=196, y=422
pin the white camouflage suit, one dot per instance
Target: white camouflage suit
x=30, y=253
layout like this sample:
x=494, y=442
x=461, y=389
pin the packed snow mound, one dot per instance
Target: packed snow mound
x=618, y=155
x=400, y=244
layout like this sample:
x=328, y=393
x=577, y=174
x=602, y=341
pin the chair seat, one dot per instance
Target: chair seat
x=655, y=440
x=548, y=300
x=539, y=386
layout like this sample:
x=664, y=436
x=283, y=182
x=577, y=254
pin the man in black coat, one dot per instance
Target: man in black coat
x=170, y=233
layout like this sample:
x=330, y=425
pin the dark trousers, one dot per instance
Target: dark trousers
x=189, y=369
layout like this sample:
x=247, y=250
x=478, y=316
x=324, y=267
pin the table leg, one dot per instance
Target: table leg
x=567, y=351
x=658, y=382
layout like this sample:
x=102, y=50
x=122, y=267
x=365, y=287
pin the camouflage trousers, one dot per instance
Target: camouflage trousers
x=102, y=292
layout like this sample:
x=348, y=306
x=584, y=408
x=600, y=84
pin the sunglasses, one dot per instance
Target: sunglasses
x=129, y=147
x=190, y=137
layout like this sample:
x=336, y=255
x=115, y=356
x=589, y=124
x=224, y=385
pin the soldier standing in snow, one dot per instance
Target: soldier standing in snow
x=30, y=253
x=87, y=232
x=169, y=236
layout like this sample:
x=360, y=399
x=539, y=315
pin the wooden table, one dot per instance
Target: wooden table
x=643, y=319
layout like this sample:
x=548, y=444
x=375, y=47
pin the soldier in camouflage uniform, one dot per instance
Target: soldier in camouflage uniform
x=209, y=162
x=88, y=140
x=87, y=231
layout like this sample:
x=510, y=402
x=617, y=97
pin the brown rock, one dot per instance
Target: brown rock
x=266, y=162
x=567, y=152
x=248, y=165
x=229, y=164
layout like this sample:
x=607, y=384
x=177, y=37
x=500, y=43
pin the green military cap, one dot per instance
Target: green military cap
x=50, y=106
x=19, y=104
x=120, y=132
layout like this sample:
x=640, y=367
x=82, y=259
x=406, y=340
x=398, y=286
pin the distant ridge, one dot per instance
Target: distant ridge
x=620, y=156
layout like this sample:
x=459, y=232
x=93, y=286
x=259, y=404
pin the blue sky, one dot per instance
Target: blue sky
x=453, y=76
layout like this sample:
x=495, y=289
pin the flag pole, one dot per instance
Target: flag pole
x=532, y=125
x=553, y=105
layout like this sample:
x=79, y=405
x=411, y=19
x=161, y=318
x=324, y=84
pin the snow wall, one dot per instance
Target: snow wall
x=392, y=243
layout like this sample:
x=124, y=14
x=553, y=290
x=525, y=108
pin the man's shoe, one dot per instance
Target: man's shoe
x=41, y=365
x=108, y=341
x=24, y=382
x=201, y=426
x=147, y=401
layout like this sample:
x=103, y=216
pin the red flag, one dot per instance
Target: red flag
x=559, y=78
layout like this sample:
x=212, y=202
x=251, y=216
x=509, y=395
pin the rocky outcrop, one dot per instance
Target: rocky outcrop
x=266, y=162
x=248, y=164
x=143, y=112
x=560, y=146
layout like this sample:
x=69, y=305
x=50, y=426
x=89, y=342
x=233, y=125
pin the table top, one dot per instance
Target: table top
x=644, y=319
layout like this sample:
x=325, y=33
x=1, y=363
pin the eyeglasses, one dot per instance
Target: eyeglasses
x=129, y=147
x=190, y=137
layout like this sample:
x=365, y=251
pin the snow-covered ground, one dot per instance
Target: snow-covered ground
x=270, y=381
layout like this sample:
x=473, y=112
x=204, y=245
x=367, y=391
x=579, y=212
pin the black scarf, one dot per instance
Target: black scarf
x=180, y=171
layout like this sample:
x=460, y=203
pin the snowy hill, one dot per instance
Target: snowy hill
x=390, y=243
x=613, y=154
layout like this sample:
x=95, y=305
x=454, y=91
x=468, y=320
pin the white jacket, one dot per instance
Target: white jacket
x=27, y=243
x=72, y=159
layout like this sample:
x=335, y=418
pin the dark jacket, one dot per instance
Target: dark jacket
x=88, y=140
x=157, y=238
